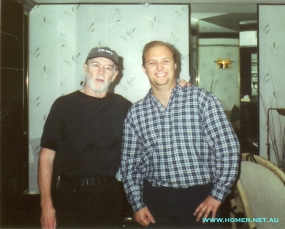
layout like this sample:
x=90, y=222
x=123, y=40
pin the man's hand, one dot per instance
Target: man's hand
x=184, y=83
x=144, y=217
x=48, y=219
x=206, y=207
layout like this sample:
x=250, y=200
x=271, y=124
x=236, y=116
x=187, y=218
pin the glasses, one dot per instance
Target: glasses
x=106, y=68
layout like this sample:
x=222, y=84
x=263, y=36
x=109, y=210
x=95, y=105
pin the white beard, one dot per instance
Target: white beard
x=94, y=87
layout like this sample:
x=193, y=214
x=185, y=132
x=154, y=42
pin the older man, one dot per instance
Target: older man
x=180, y=154
x=81, y=149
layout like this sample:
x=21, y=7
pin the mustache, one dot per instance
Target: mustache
x=88, y=76
x=99, y=78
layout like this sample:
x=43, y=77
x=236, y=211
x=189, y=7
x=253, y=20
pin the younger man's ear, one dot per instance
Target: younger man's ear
x=143, y=69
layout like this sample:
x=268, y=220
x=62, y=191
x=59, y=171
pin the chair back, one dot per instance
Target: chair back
x=262, y=192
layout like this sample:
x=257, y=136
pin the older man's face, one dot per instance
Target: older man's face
x=99, y=72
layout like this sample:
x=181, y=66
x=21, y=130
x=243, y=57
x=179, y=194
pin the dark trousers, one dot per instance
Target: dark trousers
x=174, y=208
x=97, y=206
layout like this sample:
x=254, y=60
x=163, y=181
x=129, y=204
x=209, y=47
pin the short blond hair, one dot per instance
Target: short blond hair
x=155, y=44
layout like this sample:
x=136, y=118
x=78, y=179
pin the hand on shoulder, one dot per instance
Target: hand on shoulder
x=184, y=83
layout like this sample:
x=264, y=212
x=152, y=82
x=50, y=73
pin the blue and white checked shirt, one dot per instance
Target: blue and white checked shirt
x=191, y=142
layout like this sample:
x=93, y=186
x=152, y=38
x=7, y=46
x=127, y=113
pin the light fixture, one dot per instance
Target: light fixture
x=223, y=62
x=281, y=111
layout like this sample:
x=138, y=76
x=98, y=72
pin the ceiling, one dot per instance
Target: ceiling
x=228, y=16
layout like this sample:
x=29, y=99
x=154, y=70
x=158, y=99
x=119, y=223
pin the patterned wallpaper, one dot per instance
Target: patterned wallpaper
x=224, y=83
x=271, y=79
x=62, y=35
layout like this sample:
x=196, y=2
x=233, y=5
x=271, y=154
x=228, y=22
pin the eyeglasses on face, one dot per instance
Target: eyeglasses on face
x=106, y=68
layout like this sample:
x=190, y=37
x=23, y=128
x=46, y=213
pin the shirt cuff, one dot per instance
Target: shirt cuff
x=219, y=193
x=137, y=205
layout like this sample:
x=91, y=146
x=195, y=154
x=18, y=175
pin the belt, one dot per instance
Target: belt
x=87, y=181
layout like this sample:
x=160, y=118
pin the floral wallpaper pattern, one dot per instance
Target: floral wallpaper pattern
x=224, y=83
x=60, y=37
x=271, y=80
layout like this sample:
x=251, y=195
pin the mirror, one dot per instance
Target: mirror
x=224, y=40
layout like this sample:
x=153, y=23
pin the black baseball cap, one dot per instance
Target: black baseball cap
x=103, y=52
